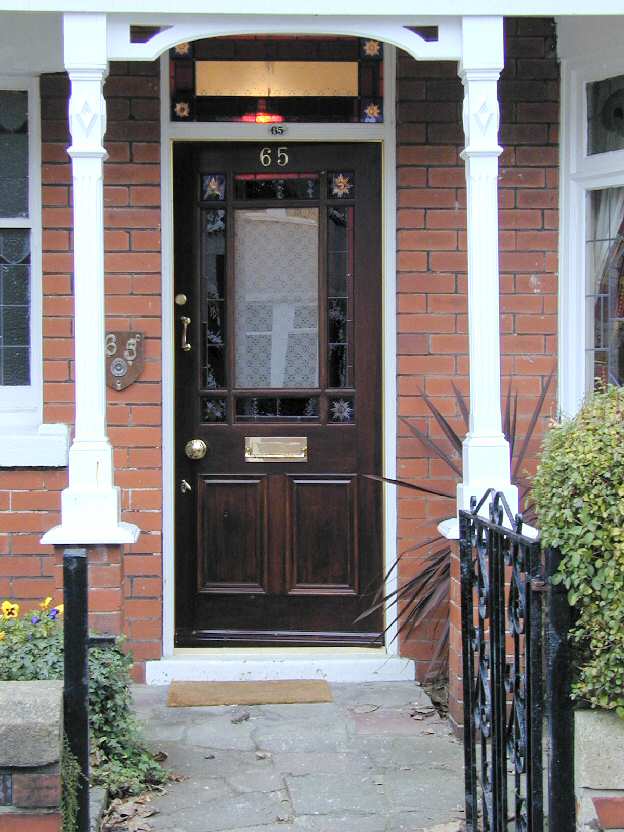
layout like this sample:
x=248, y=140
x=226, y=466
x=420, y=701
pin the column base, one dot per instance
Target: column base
x=91, y=516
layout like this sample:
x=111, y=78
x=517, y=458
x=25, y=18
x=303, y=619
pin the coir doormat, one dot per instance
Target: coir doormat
x=282, y=692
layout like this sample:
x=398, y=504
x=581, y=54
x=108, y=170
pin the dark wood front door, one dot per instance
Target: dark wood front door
x=278, y=372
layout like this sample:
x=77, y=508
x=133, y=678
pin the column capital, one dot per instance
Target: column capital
x=85, y=41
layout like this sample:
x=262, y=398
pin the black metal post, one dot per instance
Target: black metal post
x=76, y=679
x=560, y=716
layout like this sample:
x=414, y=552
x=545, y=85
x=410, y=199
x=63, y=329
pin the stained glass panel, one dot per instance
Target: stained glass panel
x=214, y=410
x=14, y=307
x=605, y=289
x=342, y=410
x=287, y=409
x=605, y=115
x=340, y=257
x=269, y=186
x=277, y=79
x=213, y=299
x=14, y=153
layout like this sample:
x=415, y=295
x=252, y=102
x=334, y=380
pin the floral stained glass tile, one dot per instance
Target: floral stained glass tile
x=341, y=185
x=372, y=112
x=214, y=410
x=213, y=187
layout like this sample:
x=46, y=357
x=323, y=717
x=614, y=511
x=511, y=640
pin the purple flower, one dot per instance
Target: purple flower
x=54, y=613
x=35, y=619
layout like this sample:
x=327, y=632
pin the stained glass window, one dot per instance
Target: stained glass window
x=605, y=115
x=605, y=286
x=15, y=276
x=270, y=80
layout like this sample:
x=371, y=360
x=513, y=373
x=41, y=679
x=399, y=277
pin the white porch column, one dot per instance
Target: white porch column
x=90, y=507
x=485, y=450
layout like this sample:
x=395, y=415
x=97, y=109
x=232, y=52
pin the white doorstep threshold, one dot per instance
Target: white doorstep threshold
x=229, y=664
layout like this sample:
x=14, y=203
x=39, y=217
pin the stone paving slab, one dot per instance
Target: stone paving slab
x=358, y=764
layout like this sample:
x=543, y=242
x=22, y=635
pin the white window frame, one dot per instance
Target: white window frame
x=24, y=439
x=580, y=174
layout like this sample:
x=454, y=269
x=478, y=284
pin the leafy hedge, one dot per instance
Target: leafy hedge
x=31, y=647
x=579, y=497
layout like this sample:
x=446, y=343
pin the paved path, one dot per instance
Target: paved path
x=359, y=764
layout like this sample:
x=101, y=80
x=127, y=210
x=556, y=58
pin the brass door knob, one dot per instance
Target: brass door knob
x=195, y=449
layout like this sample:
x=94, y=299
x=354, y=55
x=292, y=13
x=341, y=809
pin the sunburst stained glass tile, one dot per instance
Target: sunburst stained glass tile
x=372, y=112
x=341, y=185
x=213, y=187
x=341, y=410
x=182, y=110
x=182, y=51
x=371, y=49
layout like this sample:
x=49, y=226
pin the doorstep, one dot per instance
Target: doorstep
x=258, y=664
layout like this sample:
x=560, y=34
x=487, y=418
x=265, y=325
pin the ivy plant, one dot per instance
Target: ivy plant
x=579, y=497
x=31, y=647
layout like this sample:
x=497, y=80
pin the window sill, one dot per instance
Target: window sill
x=46, y=446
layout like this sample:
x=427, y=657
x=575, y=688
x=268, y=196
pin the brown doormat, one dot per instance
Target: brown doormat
x=283, y=692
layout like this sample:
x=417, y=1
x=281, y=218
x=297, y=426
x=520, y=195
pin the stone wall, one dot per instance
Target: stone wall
x=30, y=748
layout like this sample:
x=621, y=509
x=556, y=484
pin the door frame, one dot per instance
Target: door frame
x=206, y=132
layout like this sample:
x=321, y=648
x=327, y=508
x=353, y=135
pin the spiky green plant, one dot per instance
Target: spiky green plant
x=419, y=599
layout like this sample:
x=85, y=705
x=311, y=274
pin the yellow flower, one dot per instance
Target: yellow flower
x=61, y=609
x=2, y=635
x=45, y=604
x=9, y=610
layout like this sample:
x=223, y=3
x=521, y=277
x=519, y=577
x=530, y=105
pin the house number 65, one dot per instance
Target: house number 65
x=266, y=156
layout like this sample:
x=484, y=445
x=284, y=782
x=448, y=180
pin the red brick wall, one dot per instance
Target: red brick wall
x=432, y=343
x=125, y=591
x=432, y=301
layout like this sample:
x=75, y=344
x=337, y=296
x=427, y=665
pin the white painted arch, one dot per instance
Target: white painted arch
x=186, y=28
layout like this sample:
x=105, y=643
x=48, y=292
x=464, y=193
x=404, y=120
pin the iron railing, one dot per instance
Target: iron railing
x=76, y=644
x=504, y=633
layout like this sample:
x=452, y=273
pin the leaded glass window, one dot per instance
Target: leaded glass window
x=605, y=286
x=15, y=263
x=605, y=115
x=269, y=80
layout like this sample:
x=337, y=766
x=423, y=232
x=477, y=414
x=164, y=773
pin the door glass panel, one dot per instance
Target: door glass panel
x=291, y=409
x=269, y=186
x=213, y=298
x=213, y=409
x=339, y=295
x=276, y=297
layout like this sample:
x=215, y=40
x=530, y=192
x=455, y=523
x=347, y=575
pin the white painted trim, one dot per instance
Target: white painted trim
x=357, y=8
x=183, y=28
x=91, y=504
x=24, y=441
x=222, y=664
x=580, y=174
x=386, y=133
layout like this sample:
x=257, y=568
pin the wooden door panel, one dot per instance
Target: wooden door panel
x=323, y=536
x=276, y=552
x=232, y=534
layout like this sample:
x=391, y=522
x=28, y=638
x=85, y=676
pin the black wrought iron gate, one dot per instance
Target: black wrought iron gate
x=515, y=677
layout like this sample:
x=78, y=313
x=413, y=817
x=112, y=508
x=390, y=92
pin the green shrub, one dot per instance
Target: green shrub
x=31, y=647
x=579, y=497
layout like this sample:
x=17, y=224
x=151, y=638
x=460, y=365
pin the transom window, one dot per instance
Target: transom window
x=270, y=80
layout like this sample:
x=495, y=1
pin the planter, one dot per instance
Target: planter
x=599, y=770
